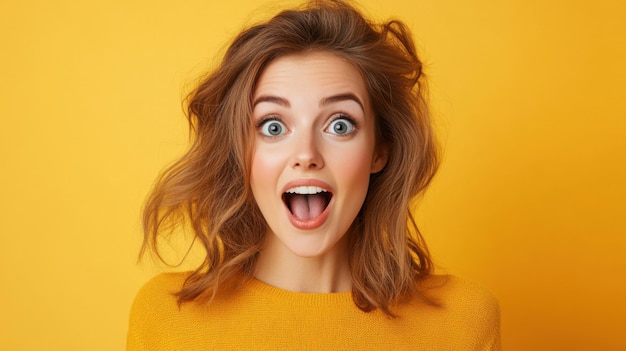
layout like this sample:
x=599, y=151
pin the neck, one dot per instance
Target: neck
x=278, y=266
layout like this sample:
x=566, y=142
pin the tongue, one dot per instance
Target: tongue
x=307, y=206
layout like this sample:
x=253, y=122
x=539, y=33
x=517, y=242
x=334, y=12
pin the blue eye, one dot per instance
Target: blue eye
x=272, y=128
x=341, y=126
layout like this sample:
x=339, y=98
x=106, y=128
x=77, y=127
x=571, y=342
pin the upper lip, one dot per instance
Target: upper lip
x=307, y=182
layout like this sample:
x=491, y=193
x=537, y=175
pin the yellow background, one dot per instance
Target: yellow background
x=529, y=100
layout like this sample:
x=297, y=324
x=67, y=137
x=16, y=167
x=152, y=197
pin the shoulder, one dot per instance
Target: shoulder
x=154, y=307
x=162, y=282
x=159, y=290
x=456, y=293
x=470, y=311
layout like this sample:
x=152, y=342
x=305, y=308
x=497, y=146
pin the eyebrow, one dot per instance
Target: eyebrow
x=273, y=99
x=342, y=97
x=325, y=101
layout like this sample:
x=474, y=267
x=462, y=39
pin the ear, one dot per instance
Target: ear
x=379, y=159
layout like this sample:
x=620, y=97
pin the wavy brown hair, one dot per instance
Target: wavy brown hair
x=208, y=189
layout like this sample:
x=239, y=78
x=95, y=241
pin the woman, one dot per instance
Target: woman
x=310, y=140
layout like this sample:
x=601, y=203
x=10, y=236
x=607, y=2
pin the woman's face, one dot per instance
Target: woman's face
x=314, y=150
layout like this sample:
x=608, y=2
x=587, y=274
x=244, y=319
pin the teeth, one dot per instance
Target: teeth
x=306, y=190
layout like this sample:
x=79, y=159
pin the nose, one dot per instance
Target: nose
x=306, y=153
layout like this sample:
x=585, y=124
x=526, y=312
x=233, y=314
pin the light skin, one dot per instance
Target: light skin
x=315, y=129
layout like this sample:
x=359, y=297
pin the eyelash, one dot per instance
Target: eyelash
x=266, y=119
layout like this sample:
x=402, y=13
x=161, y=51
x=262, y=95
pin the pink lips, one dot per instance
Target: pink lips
x=311, y=223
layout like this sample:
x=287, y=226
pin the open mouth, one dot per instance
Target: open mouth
x=307, y=202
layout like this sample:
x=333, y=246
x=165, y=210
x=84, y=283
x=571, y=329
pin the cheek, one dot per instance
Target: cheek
x=355, y=162
x=265, y=169
x=353, y=177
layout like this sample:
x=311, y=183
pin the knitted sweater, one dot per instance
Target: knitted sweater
x=258, y=316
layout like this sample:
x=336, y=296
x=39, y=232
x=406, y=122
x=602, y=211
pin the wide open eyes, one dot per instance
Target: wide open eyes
x=272, y=127
x=342, y=125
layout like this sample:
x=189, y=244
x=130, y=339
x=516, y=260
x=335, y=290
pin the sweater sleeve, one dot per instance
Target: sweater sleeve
x=139, y=319
x=489, y=328
x=472, y=317
x=149, y=311
x=133, y=337
x=136, y=323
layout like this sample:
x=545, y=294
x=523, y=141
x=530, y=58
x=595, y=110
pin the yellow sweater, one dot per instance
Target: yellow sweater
x=261, y=317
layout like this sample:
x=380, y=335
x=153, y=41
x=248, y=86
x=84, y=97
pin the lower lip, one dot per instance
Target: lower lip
x=312, y=223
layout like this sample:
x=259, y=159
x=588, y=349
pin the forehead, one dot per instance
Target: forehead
x=313, y=74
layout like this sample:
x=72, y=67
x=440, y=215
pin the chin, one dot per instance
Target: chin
x=309, y=245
